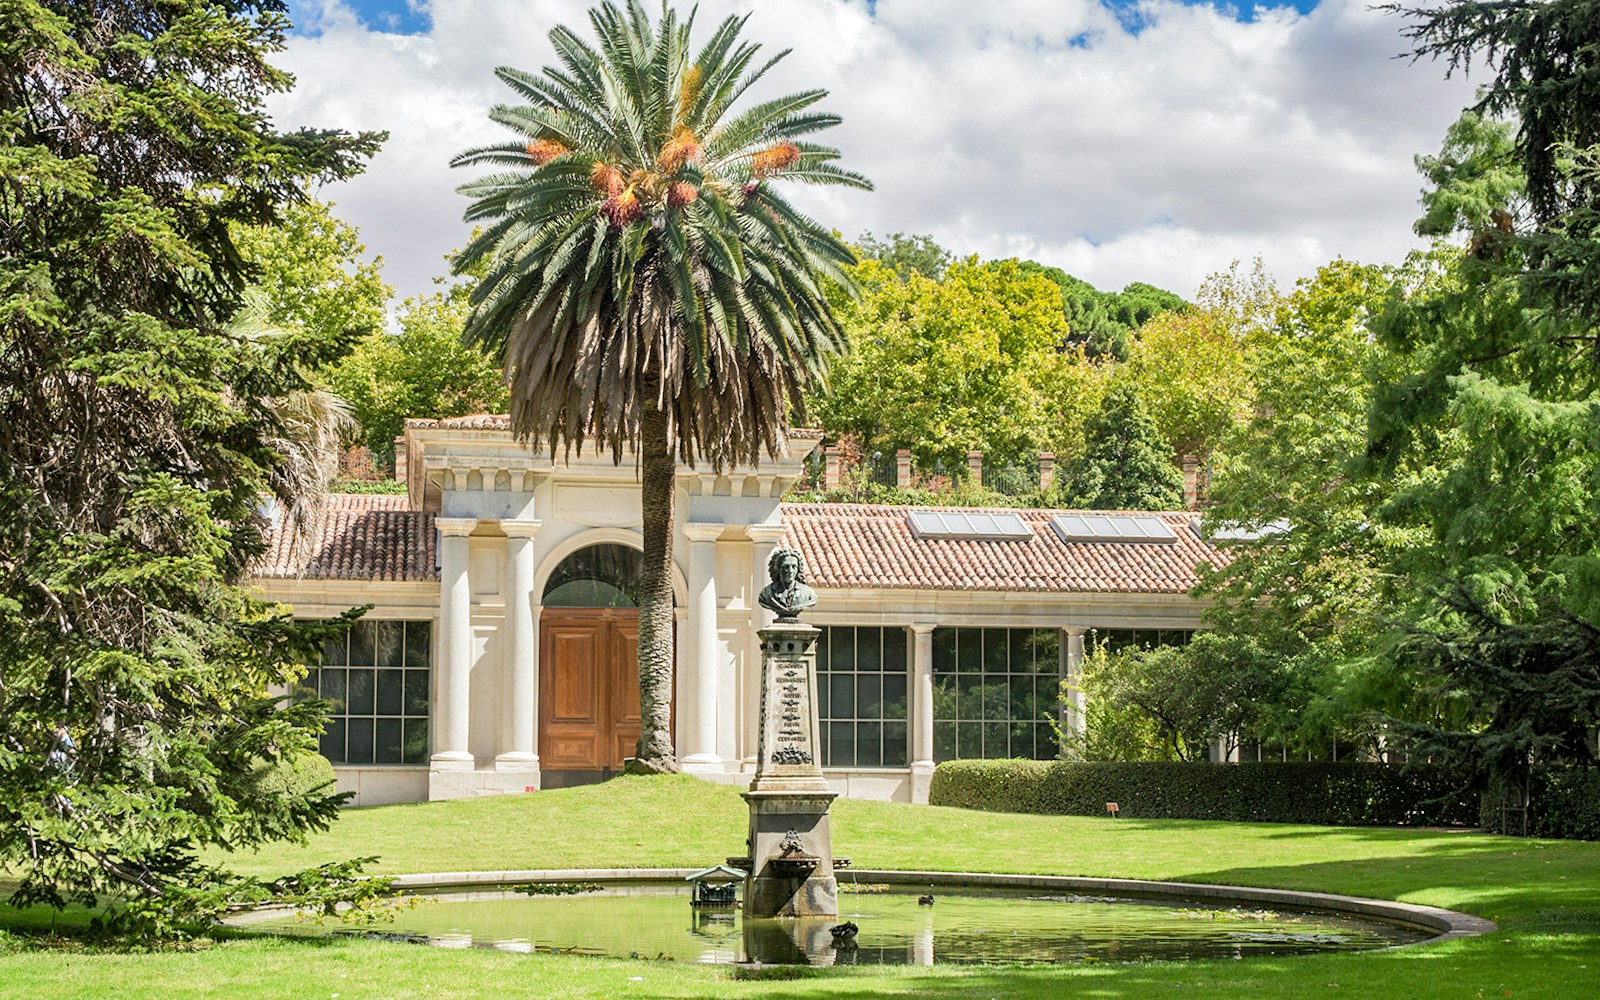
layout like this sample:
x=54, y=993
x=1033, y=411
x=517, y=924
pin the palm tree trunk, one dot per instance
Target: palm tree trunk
x=658, y=472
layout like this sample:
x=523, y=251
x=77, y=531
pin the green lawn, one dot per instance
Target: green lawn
x=1544, y=894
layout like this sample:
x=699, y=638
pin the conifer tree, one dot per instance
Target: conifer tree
x=1125, y=464
x=139, y=432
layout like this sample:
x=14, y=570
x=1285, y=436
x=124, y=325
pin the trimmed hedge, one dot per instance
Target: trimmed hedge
x=1562, y=802
x=1342, y=794
x=297, y=775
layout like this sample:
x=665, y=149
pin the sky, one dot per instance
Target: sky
x=1152, y=141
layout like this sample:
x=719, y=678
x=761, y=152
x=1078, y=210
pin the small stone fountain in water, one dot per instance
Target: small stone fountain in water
x=791, y=851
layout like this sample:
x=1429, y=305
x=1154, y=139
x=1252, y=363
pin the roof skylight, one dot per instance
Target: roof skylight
x=1112, y=528
x=969, y=524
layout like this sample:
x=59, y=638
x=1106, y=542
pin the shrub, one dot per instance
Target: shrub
x=295, y=775
x=1341, y=794
x=1563, y=801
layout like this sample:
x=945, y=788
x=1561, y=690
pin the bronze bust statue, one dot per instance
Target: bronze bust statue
x=787, y=595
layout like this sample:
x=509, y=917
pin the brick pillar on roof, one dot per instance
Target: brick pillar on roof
x=902, y=469
x=831, y=467
x=1047, y=470
x=975, y=466
x=1191, y=481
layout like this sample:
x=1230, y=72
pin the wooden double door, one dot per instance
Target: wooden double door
x=589, y=715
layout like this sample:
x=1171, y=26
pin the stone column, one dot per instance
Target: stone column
x=1047, y=470
x=921, y=710
x=975, y=466
x=701, y=739
x=518, y=748
x=1072, y=718
x=766, y=538
x=452, y=702
x=902, y=468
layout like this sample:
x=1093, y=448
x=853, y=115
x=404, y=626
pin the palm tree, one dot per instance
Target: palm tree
x=644, y=284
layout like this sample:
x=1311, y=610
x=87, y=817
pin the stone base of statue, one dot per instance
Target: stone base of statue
x=791, y=850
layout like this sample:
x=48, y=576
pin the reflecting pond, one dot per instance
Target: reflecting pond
x=966, y=926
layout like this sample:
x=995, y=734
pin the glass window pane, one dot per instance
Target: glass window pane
x=391, y=640
x=842, y=697
x=894, y=651
x=416, y=741
x=969, y=740
x=419, y=644
x=360, y=737
x=995, y=743
x=944, y=650
x=391, y=696
x=944, y=741
x=869, y=744
x=945, y=699
x=363, y=643
x=841, y=649
x=333, y=651
x=841, y=744
x=822, y=649
x=332, y=687
x=996, y=650
x=389, y=745
x=894, y=744
x=416, y=693
x=969, y=650
x=1022, y=697
x=331, y=743
x=869, y=649
x=894, y=696
x=359, y=697
x=1046, y=646
x=869, y=696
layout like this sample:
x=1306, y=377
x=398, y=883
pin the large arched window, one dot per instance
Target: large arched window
x=600, y=576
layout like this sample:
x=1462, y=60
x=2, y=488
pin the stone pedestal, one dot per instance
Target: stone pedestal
x=791, y=850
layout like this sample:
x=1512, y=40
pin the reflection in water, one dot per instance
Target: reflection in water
x=969, y=927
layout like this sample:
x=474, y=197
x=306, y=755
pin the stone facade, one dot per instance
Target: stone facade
x=486, y=523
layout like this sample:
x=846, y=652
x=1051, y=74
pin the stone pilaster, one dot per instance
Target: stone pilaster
x=518, y=747
x=1072, y=718
x=700, y=742
x=452, y=707
x=921, y=710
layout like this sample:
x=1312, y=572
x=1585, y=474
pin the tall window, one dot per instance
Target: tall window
x=377, y=678
x=861, y=695
x=994, y=692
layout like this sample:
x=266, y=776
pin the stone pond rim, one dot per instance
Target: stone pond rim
x=1447, y=925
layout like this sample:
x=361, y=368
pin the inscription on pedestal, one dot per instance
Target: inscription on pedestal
x=789, y=730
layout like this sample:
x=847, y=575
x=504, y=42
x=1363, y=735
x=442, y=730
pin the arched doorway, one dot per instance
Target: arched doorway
x=588, y=666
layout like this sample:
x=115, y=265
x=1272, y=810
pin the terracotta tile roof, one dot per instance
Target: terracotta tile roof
x=360, y=538
x=860, y=545
x=845, y=545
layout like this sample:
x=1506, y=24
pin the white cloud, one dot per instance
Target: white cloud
x=1041, y=128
